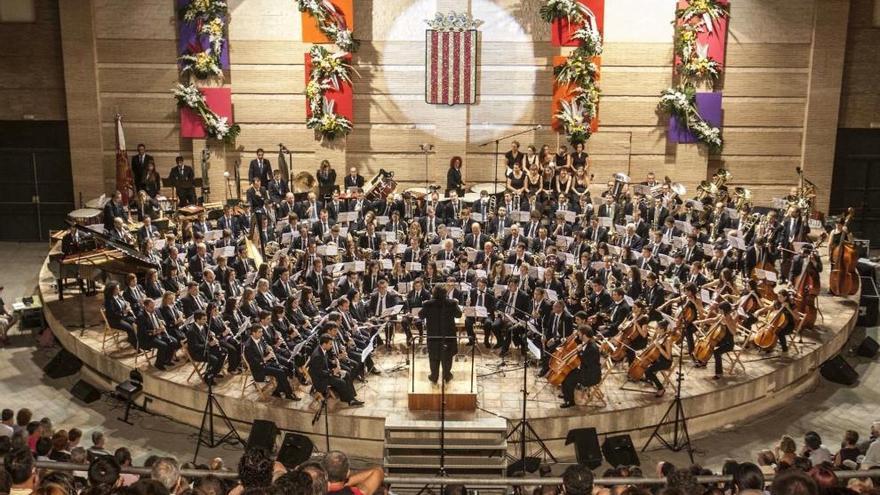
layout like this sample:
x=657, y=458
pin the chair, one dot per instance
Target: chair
x=109, y=333
x=735, y=358
x=138, y=352
x=262, y=388
x=198, y=368
x=595, y=392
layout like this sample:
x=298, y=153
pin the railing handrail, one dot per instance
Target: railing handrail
x=452, y=480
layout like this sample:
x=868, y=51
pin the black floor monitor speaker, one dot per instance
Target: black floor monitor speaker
x=586, y=446
x=85, y=392
x=263, y=435
x=868, y=348
x=869, y=304
x=295, y=450
x=838, y=370
x=63, y=364
x=619, y=451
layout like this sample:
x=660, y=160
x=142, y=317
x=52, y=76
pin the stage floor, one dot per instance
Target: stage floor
x=768, y=380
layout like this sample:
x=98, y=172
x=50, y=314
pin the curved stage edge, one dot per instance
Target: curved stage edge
x=361, y=431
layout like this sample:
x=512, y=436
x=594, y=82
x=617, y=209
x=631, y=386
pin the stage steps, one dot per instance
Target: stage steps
x=474, y=449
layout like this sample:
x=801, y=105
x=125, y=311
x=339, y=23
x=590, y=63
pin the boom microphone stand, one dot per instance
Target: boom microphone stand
x=497, y=141
x=680, y=437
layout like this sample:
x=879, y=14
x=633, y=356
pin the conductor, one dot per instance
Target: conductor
x=440, y=313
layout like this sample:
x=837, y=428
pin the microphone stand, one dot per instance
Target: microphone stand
x=497, y=141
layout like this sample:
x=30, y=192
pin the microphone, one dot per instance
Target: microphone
x=539, y=126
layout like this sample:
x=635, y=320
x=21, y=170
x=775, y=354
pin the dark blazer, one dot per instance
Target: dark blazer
x=357, y=181
x=264, y=171
x=111, y=211
x=591, y=368
x=319, y=369
x=196, y=342
x=564, y=329
x=253, y=354
x=440, y=315
x=138, y=166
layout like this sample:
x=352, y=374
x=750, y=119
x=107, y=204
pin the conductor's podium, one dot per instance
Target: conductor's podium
x=461, y=391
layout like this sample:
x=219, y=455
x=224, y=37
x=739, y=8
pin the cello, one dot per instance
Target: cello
x=768, y=335
x=650, y=355
x=806, y=290
x=704, y=347
x=565, y=359
x=844, y=279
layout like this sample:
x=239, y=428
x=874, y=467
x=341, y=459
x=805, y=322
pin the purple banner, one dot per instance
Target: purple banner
x=709, y=106
x=189, y=41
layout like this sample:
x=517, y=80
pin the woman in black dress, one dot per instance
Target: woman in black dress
x=454, y=181
x=533, y=180
x=516, y=182
x=326, y=179
x=561, y=157
x=531, y=157
x=513, y=157
x=152, y=181
x=578, y=159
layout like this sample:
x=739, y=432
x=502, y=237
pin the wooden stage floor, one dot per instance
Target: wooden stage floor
x=630, y=407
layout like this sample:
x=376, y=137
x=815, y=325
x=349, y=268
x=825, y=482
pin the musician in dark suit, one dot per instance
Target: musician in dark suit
x=353, y=179
x=262, y=363
x=260, y=167
x=139, y=166
x=692, y=251
x=590, y=371
x=119, y=313
x=257, y=196
x=556, y=326
x=324, y=377
x=203, y=347
x=439, y=314
x=153, y=335
x=654, y=296
x=515, y=304
x=114, y=209
x=595, y=233
x=147, y=231
x=229, y=222
x=186, y=194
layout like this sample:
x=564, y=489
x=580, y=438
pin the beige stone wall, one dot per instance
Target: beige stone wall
x=766, y=88
x=31, y=70
x=860, y=99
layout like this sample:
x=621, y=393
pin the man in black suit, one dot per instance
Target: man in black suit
x=203, y=347
x=556, y=326
x=139, y=165
x=654, y=296
x=595, y=233
x=481, y=296
x=186, y=194
x=260, y=167
x=324, y=377
x=114, y=209
x=439, y=314
x=590, y=371
x=619, y=311
x=229, y=221
x=152, y=335
x=262, y=363
x=515, y=304
x=353, y=179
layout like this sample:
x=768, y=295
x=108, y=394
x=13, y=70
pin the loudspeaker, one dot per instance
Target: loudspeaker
x=619, y=451
x=63, y=364
x=586, y=446
x=85, y=392
x=263, y=435
x=869, y=304
x=837, y=370
x=295, y=450
x=868, y=348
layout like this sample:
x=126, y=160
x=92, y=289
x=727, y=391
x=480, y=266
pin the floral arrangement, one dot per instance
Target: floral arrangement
x=453, y=21
x=327, y=124
x=694, y=66
x=681, y=102
x=572, y=10
x=328, y=72
x=217, y=127
x=579, y=70
x=331, y=22
x=209, y=17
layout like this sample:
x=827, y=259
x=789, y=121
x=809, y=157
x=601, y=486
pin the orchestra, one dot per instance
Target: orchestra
x=302, y=283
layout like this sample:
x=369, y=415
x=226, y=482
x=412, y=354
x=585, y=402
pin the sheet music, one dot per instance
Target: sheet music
x=480, y=274
x=533, y=349
x=471, y=254
x=569, y=215
x=477, y=217
x=347, y=216
x=414, y=266
x=446, y=264
x=382, y=220
x=455, y=232
x=404, y=287
x=597, y=265
x=213, y=235
x=286, y=238
x=386, y=263
x=390, y=237
x=435, y=248
x=226, y=251
x=705, y=296
x=327, y=250
x=551, y=295
x=474, y=312
x=605, y=221
x=665, y=260
x=393, y=310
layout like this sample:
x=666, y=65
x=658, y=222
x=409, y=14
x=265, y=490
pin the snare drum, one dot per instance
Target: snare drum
x=86, y=216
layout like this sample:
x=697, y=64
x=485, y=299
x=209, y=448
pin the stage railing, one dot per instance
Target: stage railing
x=451, y=480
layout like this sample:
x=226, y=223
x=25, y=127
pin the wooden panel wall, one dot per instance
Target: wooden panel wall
x=860, y=101
x=31, y=69
x=766, y=87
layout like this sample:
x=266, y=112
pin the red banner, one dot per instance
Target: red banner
x=219, y=100
x=343, y=99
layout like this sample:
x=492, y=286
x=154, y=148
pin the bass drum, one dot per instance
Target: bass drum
x=86, y=216
x=382, y=190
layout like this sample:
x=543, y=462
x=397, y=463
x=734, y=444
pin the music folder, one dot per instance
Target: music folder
x=474, y=311
x=393, y=310
x=533, y=349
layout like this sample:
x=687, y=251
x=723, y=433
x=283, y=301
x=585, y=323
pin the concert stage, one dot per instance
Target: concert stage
x=710, y=405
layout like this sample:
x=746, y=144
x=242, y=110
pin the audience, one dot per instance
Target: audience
x=808, y=471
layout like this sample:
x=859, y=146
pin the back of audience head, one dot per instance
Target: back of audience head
x=23, y=417
x=20, y=468
x=318, y=475
x=748, y=476
x=577, y=479
x=104, y=474
x=166, y=471
x=255, y=468
x=210, y=485
x=793, y=482
x=336, y=466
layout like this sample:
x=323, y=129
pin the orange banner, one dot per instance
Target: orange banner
x=564, y=92
x=310, y=31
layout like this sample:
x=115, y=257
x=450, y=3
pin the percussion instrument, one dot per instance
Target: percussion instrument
x=86, y=216
x=304, y=182
x=382, y=189
x=471, y=197
x=489, y=187
x=417, y=192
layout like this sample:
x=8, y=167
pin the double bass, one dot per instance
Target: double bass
x=844, y=278
x=806, y=291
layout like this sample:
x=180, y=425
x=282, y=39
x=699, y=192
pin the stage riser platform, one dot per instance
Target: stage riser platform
x=355, y=430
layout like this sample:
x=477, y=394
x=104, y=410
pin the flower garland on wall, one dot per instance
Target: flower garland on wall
x=579, y=70
x=694, y=66
x=209, y=17
x=328, y=70
x=217, y=127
